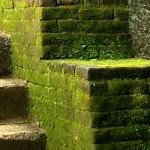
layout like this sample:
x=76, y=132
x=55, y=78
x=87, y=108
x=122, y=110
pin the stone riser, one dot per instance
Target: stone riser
x=13, y=99
x=22, y=137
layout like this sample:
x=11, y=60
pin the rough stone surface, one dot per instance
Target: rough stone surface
x=5, y=58
x=95, y=73
x=11, y=82
x=139, y=26
x=13, y=98
x=22, y=137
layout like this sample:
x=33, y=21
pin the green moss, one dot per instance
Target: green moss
x=127, y=145
x=112, y=103
x=121, y=14
x=120, y=118
x=134, y=132
x=82, y=51
x=96, y=14
x=127, y=87
x=49, y=26
x=55, y=13
x=110, y=63
x=65, y=105
x=115, y=2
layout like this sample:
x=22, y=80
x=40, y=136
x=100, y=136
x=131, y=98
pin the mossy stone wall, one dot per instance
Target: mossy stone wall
x=83, y=110
x=71, y=108
x=139, y=26
x=86, y=30
x=70, y=29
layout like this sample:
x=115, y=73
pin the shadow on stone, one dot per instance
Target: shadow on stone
x=5, y=55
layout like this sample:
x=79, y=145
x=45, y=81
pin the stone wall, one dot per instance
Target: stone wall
x=86, y=30
x=67, y=102
x=139, y=26
x=5, y=55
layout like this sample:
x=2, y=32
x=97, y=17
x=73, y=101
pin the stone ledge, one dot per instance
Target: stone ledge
x=23, y=136
x=100, y=72
x=90, y=73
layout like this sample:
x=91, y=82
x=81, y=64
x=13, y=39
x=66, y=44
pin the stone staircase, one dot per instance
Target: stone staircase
x=16, y=131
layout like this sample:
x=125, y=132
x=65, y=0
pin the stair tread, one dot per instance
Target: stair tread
x=12, y=82
x=20, y=132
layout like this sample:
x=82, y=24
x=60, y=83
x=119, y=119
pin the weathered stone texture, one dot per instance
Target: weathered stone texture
x=139, y=26
x=4, y=54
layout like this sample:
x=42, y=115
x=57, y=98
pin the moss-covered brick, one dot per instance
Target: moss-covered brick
x=84, y=133
x=35, y=90
x=91, y=2
x=68, y=2
x=66, y=112
x=54, y=13
x=20, y=3
x=58, y=38
x=121, y=14
x=68, y=69
x=7, y=14
x=49, y=26
x=114, y=2
x=94, y=88
x=28, y=13
x=126, y=145
x=6, y=4
x=24, y=38
x=133, y=132
x=120, y=118
x=94, y=73
x=96, y=13
x=127, y=87
x=112, y=103
x=115, y=87
x=110, y=27
x=75, y=26
x=55, y=66
x=93, y=26
x=45, y=3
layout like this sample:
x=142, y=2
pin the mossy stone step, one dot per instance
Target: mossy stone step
x=128, y=145
x=115, y=87
x=13, y=98
x=85, y=13
x=125, y=133
x=22, y=137
x=103, y=69
x=120, y=118
x=95, y=73
x=114, y=118
x=122, y=102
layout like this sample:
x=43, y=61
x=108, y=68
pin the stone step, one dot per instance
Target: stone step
x=13, y=98
x=22, y=137
x=122, y=133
